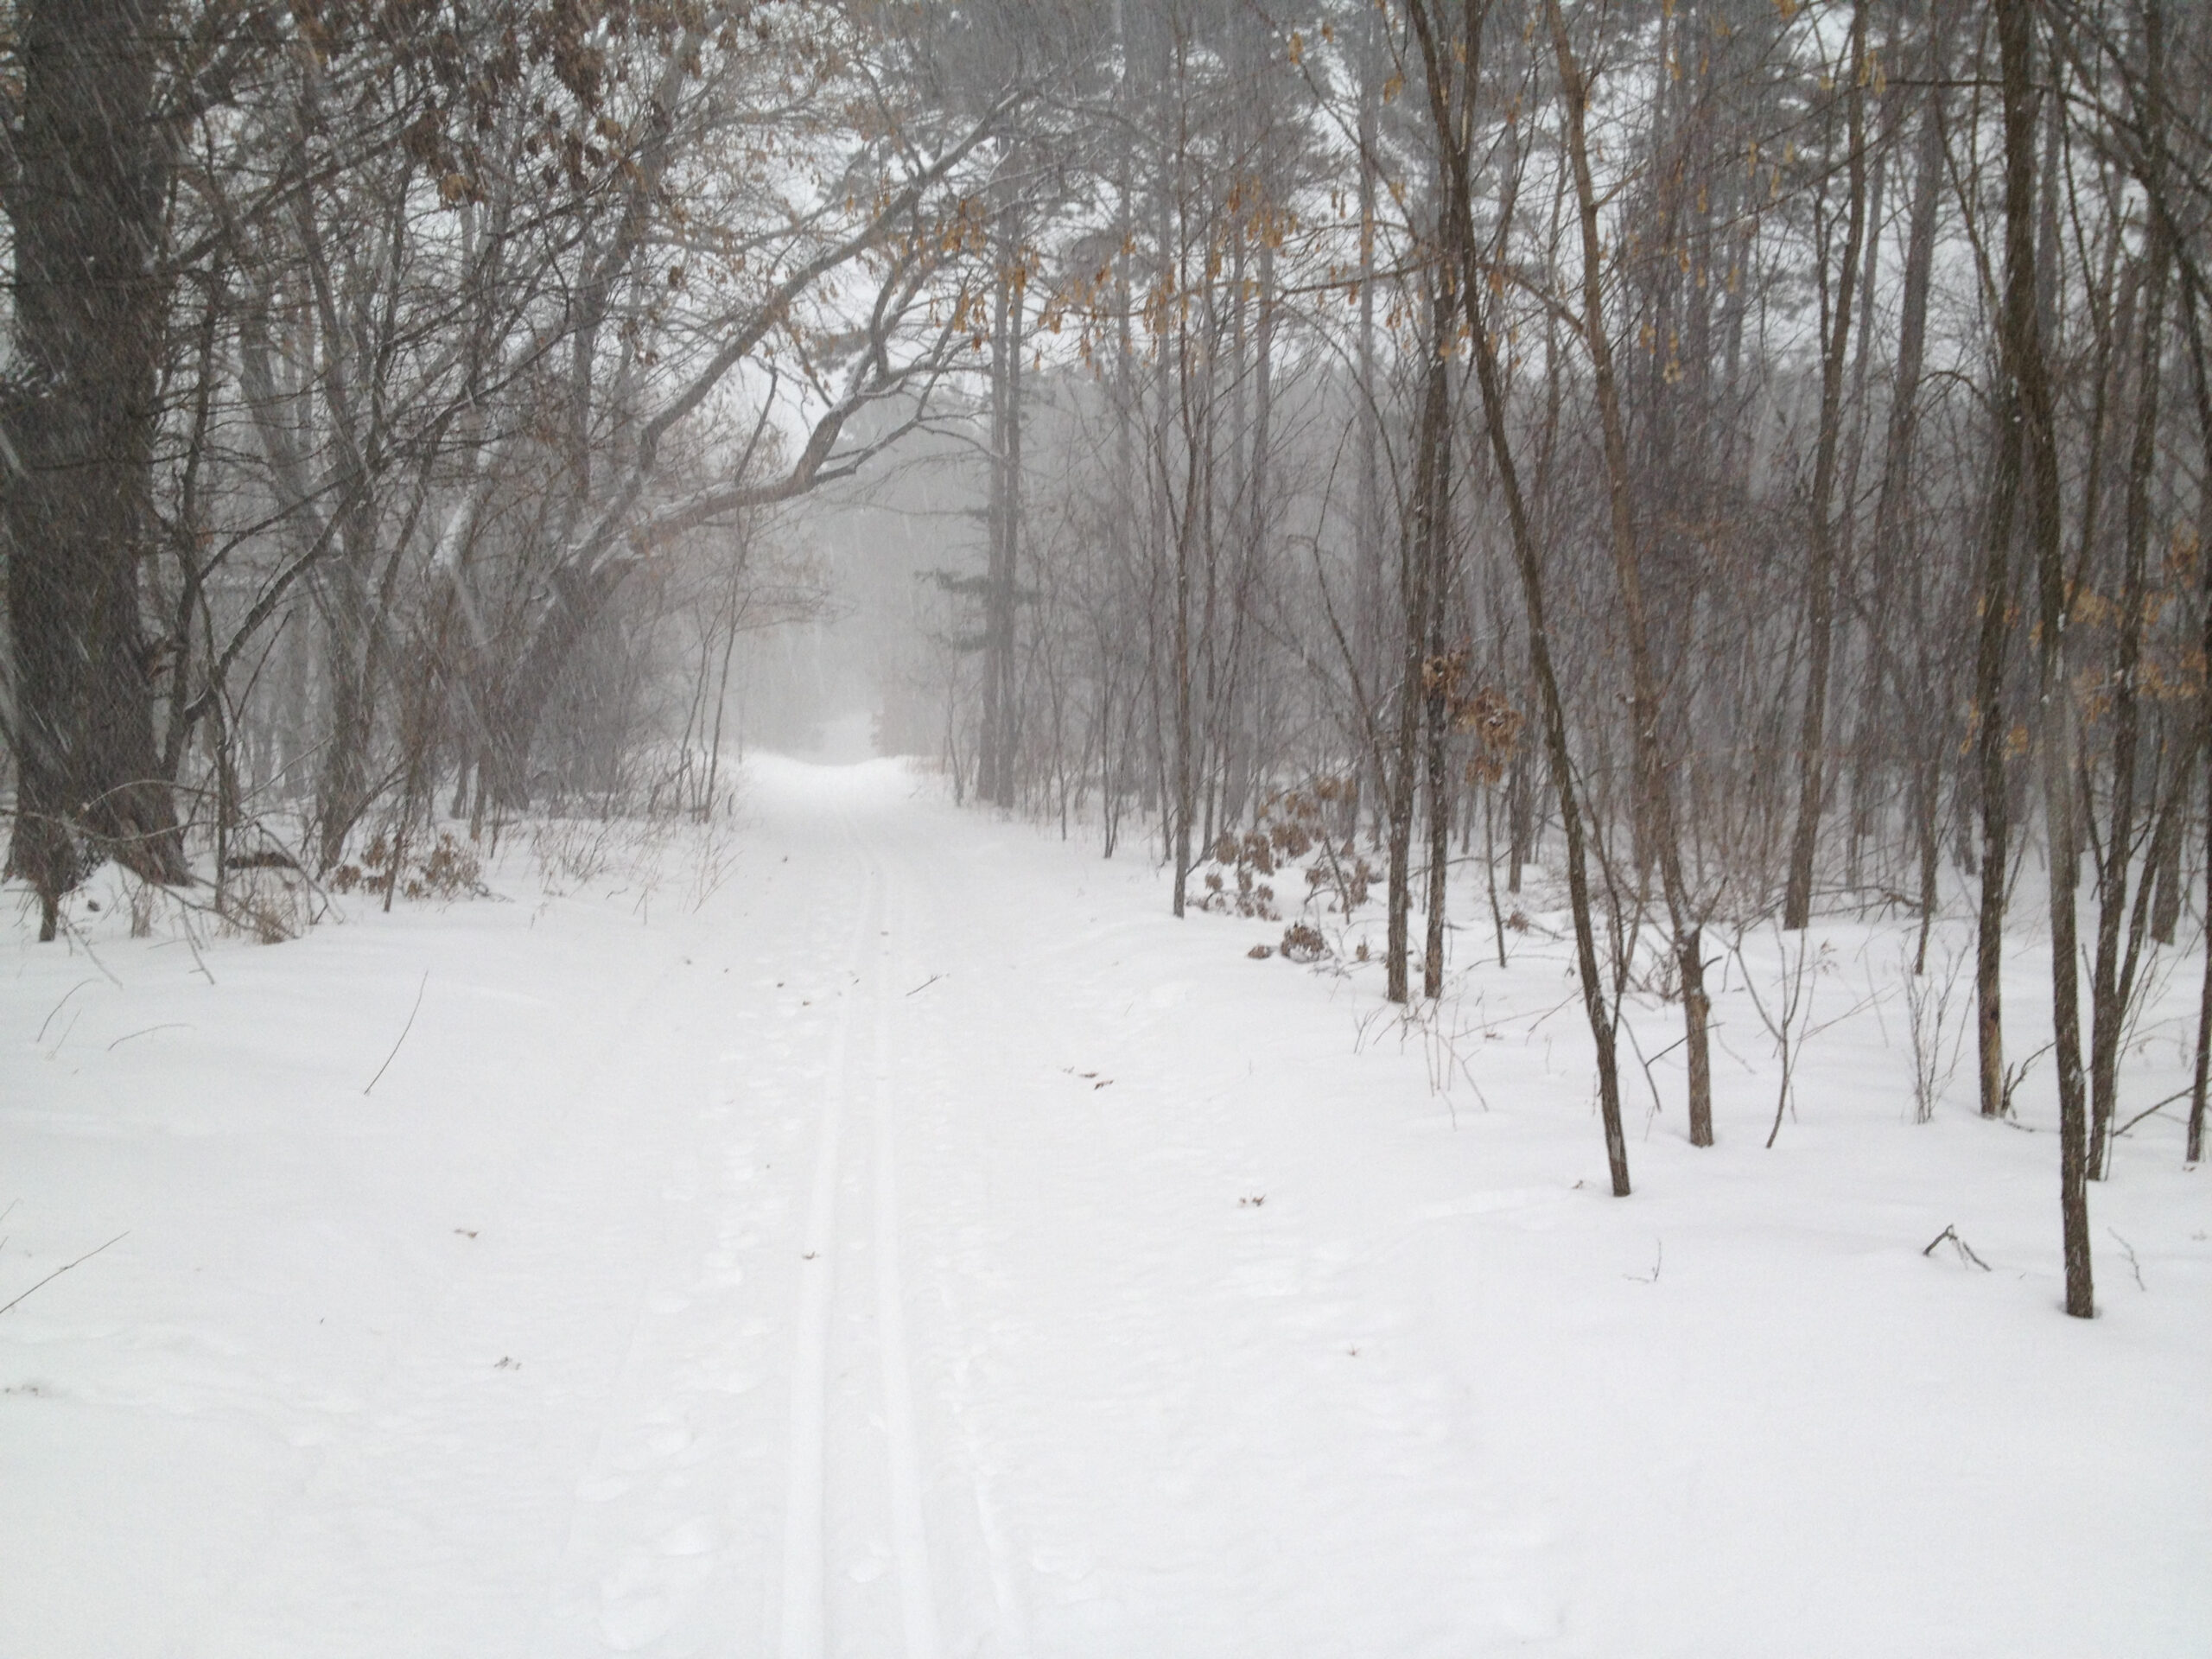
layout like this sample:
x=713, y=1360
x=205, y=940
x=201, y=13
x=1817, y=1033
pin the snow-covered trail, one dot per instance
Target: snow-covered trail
x=896, y=1236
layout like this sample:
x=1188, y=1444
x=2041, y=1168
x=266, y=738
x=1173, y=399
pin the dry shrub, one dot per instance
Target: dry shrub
x=1932, y=1016
x=1360, y=878
x=1289, y=825
x=267, y=903
x=1250, y=898
x=1244, y=902
x=449, y=868
x=572, y=852
x=1484, y=711
x=1303, y=943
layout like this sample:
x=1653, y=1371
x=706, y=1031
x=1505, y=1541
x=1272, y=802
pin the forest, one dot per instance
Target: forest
x=1743, y=459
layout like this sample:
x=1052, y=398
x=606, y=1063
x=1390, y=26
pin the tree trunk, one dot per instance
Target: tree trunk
x=579, y=600
x=997, y=781
x=1654, y=787
x=1418, y=563
x=1991, y=734
x=1916, y=714
x=1820, y=576
x=2022, y=344
x=1435, y=725
x=2111, y=980
x=1460, y=245
x=80, y=414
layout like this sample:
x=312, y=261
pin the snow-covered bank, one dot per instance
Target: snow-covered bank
x=1137, y=1306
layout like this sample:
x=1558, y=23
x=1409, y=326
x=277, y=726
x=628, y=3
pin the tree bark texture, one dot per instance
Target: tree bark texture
x=2021, y=340
x=80, y=414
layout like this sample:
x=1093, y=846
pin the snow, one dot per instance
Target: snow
x=879, y=1229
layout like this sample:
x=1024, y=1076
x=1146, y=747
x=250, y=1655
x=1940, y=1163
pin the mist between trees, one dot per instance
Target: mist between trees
x=1749, y=456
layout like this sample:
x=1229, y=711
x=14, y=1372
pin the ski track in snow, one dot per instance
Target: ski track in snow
x=860, y=1070
x=917, y=1594
x=926, y=1250
x=804, y=1610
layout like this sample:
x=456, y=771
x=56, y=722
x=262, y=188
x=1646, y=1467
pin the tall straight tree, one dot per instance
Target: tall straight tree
x=2120, y=914
x=80, y=417
x=1420, y=573
x=994, y=779
x=2020, y=342
x=1452, y=70
x=1895, y=515
x=1819, y=574
x=1655, y=788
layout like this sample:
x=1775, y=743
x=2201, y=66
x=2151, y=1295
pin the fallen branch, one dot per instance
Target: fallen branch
x=91, y=956
x=174, y=1025
x=1659, y=1260
x=1965, y=1250
x=403, y=1030
x=65, y=1268
x=2149, y=1111
x=2128, y=1250
x=58, y=1006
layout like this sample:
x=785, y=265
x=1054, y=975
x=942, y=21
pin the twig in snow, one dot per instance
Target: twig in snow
x=91, y=955
x=192, y=944
x=66, y=1266
x=58, y=1006
x=1627, y=1027
x=926, y=984
x=2014, y=1077
x=1929, y=1009
x=2149, y=1111
x=1965, y=1250
x=2128, y=1250
x=1571, y=997
x=1658, y=1261
x=174, y=1025
x=1793, y=1010
x=403, y=1030
x=1363, y=1024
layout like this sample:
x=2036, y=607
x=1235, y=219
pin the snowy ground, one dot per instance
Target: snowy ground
x=891, y=1234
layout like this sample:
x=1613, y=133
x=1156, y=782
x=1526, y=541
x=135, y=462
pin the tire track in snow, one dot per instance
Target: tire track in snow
x=805, y=1612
